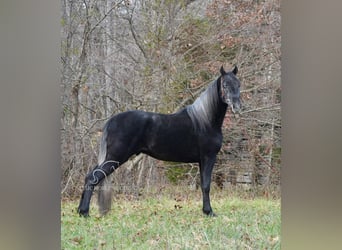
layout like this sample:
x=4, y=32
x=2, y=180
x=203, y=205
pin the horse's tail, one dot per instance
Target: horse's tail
x=105, y=190
x=104, y=197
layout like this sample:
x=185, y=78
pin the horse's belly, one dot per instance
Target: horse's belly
x=175, y=149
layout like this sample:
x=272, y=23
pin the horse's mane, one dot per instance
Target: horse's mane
x=203, y=109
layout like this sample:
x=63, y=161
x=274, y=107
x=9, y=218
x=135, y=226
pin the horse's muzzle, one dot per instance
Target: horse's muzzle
x=236, y=107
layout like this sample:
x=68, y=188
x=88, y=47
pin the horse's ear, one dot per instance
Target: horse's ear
x=235, y=70
x=222, y=70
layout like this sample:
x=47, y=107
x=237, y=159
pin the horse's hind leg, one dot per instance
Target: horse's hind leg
x=93, y=179
x=117, y=144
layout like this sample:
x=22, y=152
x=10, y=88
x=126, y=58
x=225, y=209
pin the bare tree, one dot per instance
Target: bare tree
x=158, y=56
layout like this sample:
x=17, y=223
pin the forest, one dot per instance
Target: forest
x=158, y=56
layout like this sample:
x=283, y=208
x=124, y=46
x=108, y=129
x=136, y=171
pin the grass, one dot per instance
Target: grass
x=174, y=220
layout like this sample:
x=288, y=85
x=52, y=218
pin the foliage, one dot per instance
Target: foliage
x=176, y=173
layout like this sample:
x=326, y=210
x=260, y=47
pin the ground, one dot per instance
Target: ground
x=174, y=220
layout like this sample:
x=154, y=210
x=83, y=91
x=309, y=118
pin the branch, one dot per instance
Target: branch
x=271, y=167
x=130, y=21
x=254, y=88
x=271, y=107
x=103, y=18
x=263, y=122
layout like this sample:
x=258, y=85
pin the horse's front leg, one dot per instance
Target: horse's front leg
x=206, y=168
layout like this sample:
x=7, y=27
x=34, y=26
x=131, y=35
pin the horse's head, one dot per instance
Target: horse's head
x=230, y=89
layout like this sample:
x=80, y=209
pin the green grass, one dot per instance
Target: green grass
x=174, y=221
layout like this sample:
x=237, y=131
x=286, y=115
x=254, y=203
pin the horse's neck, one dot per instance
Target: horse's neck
x=220, y=114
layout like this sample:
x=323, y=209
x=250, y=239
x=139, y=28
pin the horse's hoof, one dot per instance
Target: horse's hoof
x=83, y=213
x=210, y=213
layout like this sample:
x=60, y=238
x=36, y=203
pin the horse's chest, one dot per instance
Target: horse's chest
x=210, y=143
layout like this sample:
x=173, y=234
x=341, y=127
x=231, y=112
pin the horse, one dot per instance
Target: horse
x=191, y=135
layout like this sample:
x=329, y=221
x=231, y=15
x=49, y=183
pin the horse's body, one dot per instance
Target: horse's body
x=165, y=137
x=193, y=134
